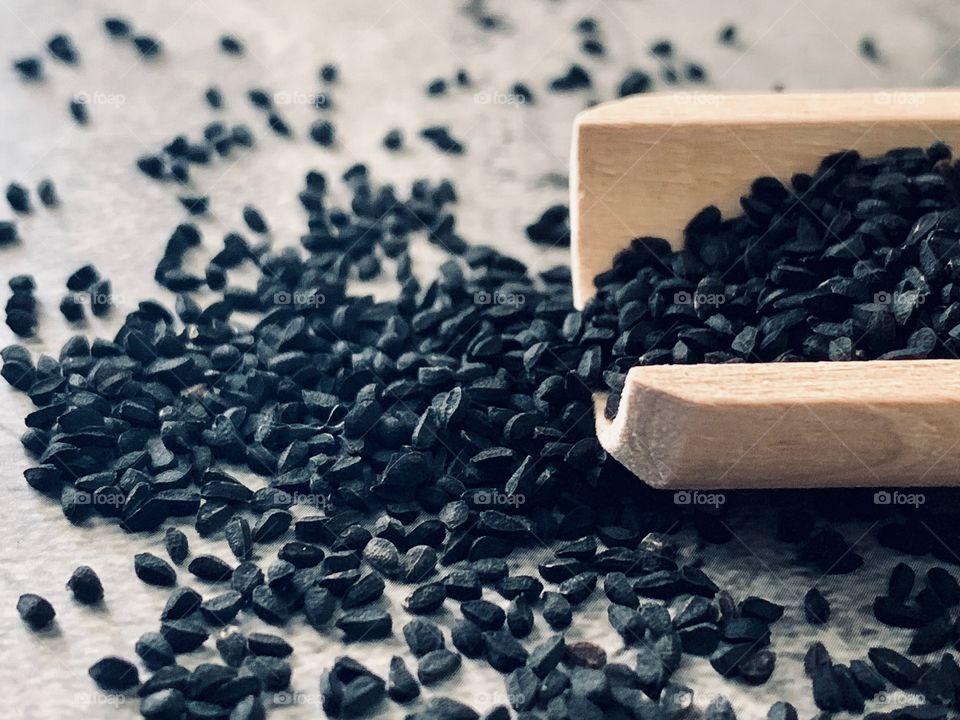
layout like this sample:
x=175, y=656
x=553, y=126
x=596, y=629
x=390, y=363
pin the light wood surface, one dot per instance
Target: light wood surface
x=775, y=425
x=646, y=164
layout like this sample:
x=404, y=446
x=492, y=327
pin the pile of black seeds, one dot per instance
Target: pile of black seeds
x=856, y=261
x=427, y=440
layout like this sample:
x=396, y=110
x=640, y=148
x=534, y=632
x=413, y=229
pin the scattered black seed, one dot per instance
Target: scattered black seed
x=85, y=585
x=71, y=308
x=35, y=611
x=728, y=35
x=117, y=27
x=556, y=610
x=163, y=705
x=816, y=607
x=328, y=73
x=323, y=133
x=502, y=651
x=441, y=138
x=894, y=667
x=29, y=68
x=393, y=140
x=47, y=192
x=576, y=78
x=868, y=49
x=222, y=608
x=8, y=233
x=154, y=571
x=425, y=599
x=436, y=87
x=176, y=544
x=148, y=47
x=519, y=617
x=231, y=45
x=210, y=567
x=61, y=47
x=19, y=198
x=365, y=624
x=213, y=97
x=254, y=220
x=114, y=674
x=635, y=82
x=79, y=112
x=155, y=651
x=437, y=665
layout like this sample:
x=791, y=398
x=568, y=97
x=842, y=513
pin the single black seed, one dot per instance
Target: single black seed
x=425, y=599
x=117, y=27
x=894, y=667
x=85, y=585
x=148, y=47
x=154, y=571
x=231, y=45
x=467, y=638
x=155, y=651
x=47, y=192
x=29, y=68
x=437, y=665
x=35, y=611
x=19, y=198
x=176, y=545
x=365, y=624
x=114, y=674
x=210, y=567
x=61, y=47
x=816, y=607
x=163, y=705
x=556, y=610
x=402, y=687
x=422, y=637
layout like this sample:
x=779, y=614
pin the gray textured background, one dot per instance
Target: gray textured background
x=516, y=164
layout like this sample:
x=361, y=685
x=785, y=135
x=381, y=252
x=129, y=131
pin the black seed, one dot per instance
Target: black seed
x=274, y=673
x=222, y=608
x=816, y=607
x=183, y=635
x=503, y=652
x=163, y=705
x=35, y=611
x=719, y=709
x=425, y=599
x=19, y=198
x=422, y=637
x=363, y=592
x=268, y=606
x=154, y=571
x=254, y=220
x=231, y=45
x=181, y=603
x=393, y=140
x=575, y=78
x=155, y=651
x=519, y=617
x=176, y=544
x=232, y=648
x=365, y=624
x=147, y=46
x=467, y=638
x=556, y=610
x=29, y=68
x=47, y=192
x=61, y=47
x=85, y=585
x=116, y=27
x=901, y=581
x=114, y=674
x=323, y=133
x=437, y=665
x=894, y=667
x=483, y=614
x=402, y=687
x=211, y=568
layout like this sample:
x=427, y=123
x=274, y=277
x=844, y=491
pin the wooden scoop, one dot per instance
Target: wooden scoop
x=645, y=166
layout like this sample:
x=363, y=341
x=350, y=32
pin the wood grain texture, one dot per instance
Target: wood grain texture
x=789, y=425
x=646, y=164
